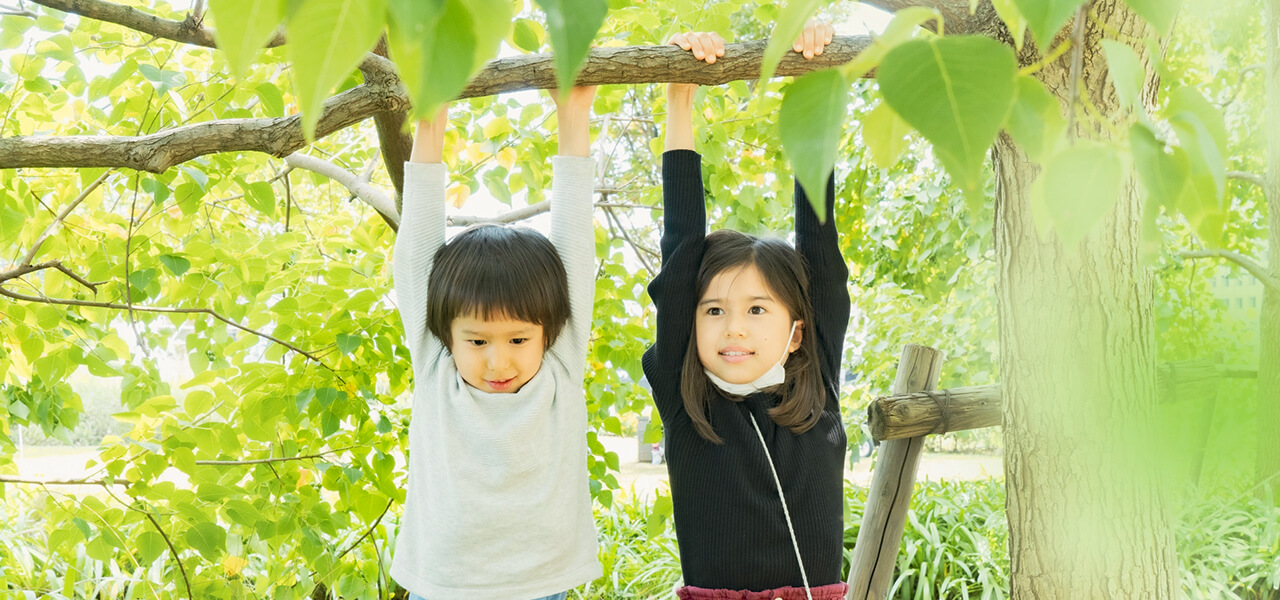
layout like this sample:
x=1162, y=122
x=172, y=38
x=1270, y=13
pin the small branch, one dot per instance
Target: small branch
x=21, y=270
x=137, y=20
x=367, y=531
x=263, y=461
x=1262, y=273
x=366, y=192
x=31, y=254
x=173, y=551
x=162, y=310
x=1249, y=177
x=24, y=480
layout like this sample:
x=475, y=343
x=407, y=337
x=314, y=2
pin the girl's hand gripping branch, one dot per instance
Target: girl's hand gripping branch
x=815, y=37
x=706, y=46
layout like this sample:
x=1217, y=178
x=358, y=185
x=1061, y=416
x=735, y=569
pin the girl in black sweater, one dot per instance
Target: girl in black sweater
x=745, y=376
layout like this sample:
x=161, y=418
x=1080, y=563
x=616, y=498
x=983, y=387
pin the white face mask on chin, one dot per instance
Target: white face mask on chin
x=774, y=376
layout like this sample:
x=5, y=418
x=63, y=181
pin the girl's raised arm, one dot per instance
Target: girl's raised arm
x=422, y=226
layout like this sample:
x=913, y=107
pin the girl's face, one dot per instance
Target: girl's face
x=741, y=327
x=497, y=355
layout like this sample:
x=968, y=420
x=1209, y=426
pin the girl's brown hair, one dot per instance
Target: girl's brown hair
x=783, y=270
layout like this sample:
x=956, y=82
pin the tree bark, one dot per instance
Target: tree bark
x=382, y=93
x=1087, y=517
x=1268, y=454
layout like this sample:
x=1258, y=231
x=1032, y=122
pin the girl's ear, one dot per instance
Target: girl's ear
x=796, y=337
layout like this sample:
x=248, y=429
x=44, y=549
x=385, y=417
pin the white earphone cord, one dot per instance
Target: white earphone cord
x=786, y=513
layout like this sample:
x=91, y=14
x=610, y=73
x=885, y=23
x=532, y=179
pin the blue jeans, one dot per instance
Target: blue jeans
x=560, y=596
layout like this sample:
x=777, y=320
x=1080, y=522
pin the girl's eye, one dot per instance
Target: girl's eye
x=756, y=310
x=714, y=311
x=518, y=341
x=477, y=343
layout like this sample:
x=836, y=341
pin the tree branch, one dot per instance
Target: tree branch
x=1249, y=177
x=35, y=247
x=381, y=92
x=160, y=309
x=1257, y=270
x=264, y=461
x=365, y=191
x=173, y=551
x=190, y=31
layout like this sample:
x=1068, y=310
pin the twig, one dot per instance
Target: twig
x=263, y=461
x=1262, y=273
x=26, y=260
x=367, y=531
x=640, y=252
x=161, y=309
x=173, y=551
x=1253, y=178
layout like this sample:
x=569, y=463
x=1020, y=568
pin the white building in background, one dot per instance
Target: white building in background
x=1241, y=294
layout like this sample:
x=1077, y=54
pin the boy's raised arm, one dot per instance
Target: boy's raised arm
x=572, y=229
x=422, y=228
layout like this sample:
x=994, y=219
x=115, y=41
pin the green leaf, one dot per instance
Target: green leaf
x=176, y=264
x=571, y=25
x=1046, y=17
x=1186, y=99
x=790, y=25
x=433, y=43
x=150, y=545
x=188, y=196
x=1078, y=187
x=272, y=100
x=1127, y=74
x=492, y=21
x=208, y=539
x=1159, y=172
x=527, y=35
x=810, y=124
x=1008, y=12
x=1035, y=120
x=1159, y=13
x=261, y=196
x=885, y=134
x=327, y=39
x=142, y=278
x=1201, y=199
x=167, y=79
x=956, y=92
x=244, y=27
x=348, y=343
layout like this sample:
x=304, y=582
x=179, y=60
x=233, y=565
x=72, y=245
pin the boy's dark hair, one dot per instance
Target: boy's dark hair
x=495, y=272
x=783, y=270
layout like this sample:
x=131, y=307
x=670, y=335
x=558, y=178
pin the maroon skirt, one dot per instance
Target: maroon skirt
x=835, y=591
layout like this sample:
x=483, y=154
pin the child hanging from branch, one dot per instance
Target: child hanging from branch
x=497, y=323
x=745, y=376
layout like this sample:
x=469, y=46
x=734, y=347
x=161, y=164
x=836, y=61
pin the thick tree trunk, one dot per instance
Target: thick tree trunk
x=1268, y=457
x=1087, y=518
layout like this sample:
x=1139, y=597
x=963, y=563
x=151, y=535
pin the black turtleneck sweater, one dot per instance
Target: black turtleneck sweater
x=728, y=518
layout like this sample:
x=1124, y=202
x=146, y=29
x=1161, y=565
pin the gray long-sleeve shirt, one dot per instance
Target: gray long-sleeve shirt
x=498, y=504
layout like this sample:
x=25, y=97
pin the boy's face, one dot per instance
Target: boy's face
x=741, y=328
x=497, y=355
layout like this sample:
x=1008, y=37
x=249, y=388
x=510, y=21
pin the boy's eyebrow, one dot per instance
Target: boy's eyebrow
x=522, y=330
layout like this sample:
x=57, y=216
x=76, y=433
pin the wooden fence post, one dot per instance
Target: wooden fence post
x=885, y=515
